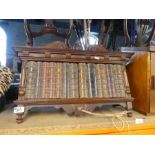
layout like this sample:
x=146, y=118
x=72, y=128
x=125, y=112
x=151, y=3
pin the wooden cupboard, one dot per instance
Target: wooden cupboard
x=141, y=76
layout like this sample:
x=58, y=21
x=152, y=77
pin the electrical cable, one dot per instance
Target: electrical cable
x=118, y=116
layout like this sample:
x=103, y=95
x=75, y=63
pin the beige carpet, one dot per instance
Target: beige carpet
x=48, y=120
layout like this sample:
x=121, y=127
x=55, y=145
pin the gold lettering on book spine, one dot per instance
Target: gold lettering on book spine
x=75, y=80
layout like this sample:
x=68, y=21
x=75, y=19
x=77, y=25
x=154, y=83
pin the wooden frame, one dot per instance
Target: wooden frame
x=68, y=55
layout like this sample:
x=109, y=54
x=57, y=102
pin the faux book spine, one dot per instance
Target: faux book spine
x=92, y=80
x=83, y=80
x=74, y=80
x=72, y=76
x=31, y=73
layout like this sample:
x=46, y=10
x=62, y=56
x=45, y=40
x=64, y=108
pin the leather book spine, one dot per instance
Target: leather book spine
x=83, y=80
x=52, y=82
x=104, y=80
x=67, y=79
x=121, y=81
x=58, y=78
x=116, y=81
x=38, y=80
x=48, y=79
x=64, y=79
x=31, y=74
x=44, y=78
x=92, y=80
x=108, y=81
x=99, y=81
x=112, y=80
x=73, y=81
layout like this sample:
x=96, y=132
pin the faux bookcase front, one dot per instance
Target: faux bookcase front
x=72, y=78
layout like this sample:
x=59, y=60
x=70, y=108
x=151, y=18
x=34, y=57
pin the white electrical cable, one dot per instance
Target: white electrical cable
x=118, y=116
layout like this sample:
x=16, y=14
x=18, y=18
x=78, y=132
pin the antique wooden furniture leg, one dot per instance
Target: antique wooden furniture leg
x=129, y=107
x=20, y=113
x=19, y=117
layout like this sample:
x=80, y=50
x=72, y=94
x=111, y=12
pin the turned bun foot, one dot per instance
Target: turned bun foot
x=129, y=114
x=19, y=121
x=19, y=118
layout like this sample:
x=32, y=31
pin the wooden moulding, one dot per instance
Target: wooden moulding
x=25, y=50
x=70, y=55
x=72, y=101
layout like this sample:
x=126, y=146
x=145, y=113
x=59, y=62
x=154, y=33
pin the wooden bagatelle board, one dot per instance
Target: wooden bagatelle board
x=141, y=75
x=72, y=79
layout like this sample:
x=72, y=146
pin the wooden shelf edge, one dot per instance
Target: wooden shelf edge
x=73, y=101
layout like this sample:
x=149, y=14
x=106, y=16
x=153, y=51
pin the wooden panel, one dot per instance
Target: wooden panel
x=138, y=75
x=152, y=91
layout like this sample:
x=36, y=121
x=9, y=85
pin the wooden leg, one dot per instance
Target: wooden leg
x=129, y=107
x=19, y=118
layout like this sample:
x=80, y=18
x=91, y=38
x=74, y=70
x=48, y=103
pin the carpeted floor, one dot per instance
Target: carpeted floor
x=47, y=120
